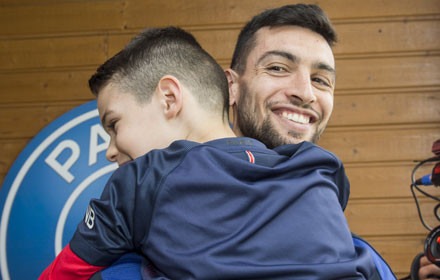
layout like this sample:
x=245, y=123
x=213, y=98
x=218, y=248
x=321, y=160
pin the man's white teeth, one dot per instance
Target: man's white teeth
x=296, y=117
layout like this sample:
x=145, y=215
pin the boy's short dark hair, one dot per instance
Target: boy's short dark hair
x=157, y=52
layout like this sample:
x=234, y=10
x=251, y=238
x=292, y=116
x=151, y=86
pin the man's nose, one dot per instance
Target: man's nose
x=302, y=88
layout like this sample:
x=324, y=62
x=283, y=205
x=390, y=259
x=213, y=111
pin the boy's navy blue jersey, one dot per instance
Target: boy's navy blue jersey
x=227, y=209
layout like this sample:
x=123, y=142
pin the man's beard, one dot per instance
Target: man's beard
x=266, y=133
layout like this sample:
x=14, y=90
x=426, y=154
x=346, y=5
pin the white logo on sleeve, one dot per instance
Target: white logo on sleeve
x=90, y=218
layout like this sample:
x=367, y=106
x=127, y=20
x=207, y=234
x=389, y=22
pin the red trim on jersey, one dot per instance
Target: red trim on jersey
x=68, y=266
x=250, y=156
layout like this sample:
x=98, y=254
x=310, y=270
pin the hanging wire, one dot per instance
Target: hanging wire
x=414, y=187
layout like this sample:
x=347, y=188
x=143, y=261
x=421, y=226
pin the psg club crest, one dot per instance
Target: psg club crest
x=46, y=191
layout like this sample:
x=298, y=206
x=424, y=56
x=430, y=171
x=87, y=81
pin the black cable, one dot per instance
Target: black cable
x=419, y=212
x=436, y=212
x=426, y=194
x=415, y=186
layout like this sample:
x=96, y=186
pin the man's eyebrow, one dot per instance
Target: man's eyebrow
x=324, y=66
x=327, y=68
x=286, y=55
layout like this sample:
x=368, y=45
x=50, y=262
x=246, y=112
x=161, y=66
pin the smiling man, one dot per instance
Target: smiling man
x=281, y=89
x=282, y=80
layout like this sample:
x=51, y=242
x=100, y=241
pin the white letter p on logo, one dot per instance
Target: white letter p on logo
x=90, y=218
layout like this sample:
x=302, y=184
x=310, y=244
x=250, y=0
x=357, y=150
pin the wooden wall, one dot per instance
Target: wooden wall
x=387, y=100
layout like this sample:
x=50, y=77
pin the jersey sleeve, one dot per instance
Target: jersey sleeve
x=114, y=225
x=106, y=232
x=68, y=266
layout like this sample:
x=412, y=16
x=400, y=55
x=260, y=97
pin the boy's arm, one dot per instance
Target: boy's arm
x=67, y=265
x=105, y=233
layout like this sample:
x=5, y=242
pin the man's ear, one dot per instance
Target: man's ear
x=232, y=77
x=170, y=94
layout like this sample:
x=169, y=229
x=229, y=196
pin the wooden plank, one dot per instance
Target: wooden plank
x=52, y=52
x=374, y=73
x=384, y=37
x=60, y=17
x=9, y=3
x=381, y=144
x=10, y=149
x=389, y=217
x=384, y=180
x=45, y=86
x=388, y=109
x=25, y=121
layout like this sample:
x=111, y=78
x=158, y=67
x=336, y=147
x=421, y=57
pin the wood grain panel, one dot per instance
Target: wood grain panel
x=377, y=73
x=389, y=217
x=384, y=179
x=388, y=109
x=10, y=149
x=43, y=18
x=383, y=37
x=45, y=86
x=26, y=121
x=52, y=52
x=377, y=144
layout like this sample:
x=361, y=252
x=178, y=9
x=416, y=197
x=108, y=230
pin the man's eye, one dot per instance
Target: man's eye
x=276, y=68
x=321, y=82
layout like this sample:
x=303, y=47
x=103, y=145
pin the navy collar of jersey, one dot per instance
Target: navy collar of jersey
x=236, y=142
x=287, y=149
x=231, y=143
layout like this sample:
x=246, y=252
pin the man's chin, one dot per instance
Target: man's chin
x=296, y=138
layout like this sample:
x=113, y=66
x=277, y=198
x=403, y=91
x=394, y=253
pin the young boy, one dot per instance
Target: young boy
x=193, y=199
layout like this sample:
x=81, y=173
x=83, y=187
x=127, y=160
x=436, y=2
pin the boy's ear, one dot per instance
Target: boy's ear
x=171, y=95
x=232, y=77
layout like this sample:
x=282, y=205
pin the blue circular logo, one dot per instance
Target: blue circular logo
x=46, y=192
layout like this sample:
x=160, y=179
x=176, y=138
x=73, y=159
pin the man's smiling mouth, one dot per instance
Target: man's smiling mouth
x=298, y=118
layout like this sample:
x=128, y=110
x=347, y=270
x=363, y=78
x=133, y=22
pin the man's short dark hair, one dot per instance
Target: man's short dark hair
x=303, y=15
